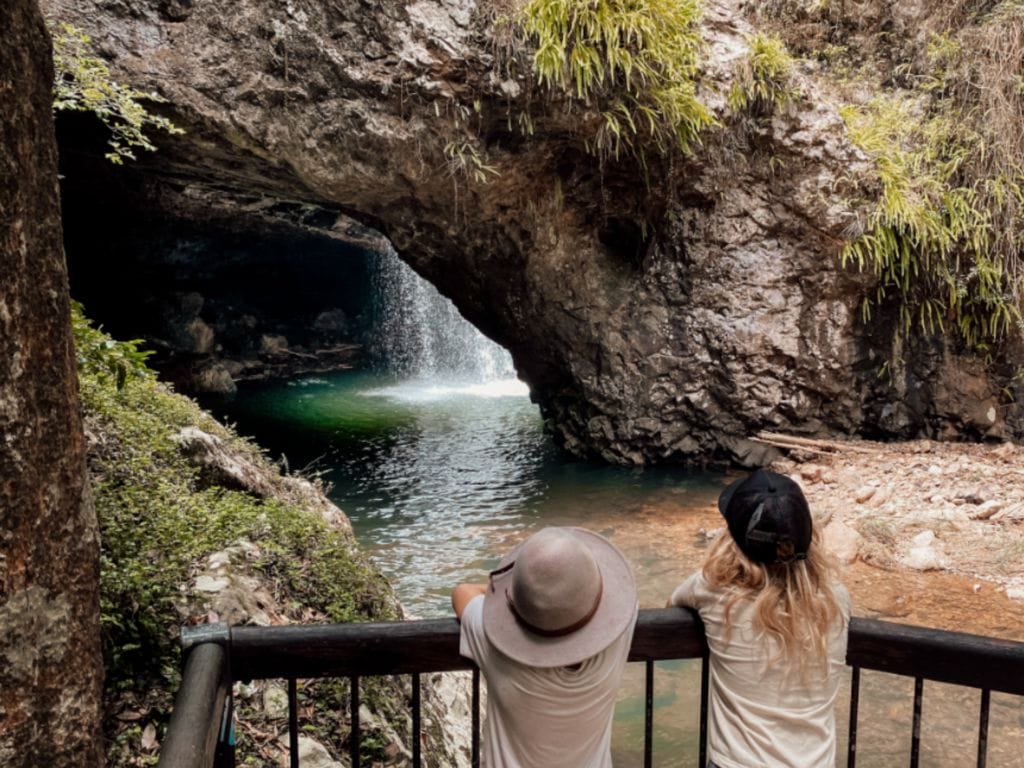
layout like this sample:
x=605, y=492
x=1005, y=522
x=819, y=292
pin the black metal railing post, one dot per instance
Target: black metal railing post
x=217, y=655
x=197, y=726
x=851, y=745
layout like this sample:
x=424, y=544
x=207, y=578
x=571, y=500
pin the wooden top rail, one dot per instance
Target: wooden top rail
x=934, y=654
x=403, y=647
x=342, y=650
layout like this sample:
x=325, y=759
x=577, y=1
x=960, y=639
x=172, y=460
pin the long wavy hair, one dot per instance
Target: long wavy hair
x=794, y=603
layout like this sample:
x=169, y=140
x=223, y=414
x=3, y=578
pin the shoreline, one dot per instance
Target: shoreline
x=926, y=532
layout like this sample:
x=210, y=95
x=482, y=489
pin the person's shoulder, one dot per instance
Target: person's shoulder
x=692, y=591
x=473, y=613
x=472, y=639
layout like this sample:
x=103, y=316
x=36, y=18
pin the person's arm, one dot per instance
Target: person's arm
x=463, y=593
x=685, y=595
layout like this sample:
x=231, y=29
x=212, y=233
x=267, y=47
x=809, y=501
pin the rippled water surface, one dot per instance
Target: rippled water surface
x=440, y=478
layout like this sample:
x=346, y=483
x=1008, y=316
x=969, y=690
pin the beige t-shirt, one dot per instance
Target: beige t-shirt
x=545, y=718
x=760, y=717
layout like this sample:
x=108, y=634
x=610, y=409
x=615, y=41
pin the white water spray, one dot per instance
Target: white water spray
x=422, y=338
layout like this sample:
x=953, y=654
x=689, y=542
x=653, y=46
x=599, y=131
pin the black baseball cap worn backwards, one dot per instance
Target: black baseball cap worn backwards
x=768, y=517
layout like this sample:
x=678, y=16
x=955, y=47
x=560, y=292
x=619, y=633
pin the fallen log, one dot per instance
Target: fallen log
x=794, y=442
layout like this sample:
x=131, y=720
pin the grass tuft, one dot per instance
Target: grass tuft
x=634, y=63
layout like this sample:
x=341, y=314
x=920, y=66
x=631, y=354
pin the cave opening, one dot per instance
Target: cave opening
x=226, y=287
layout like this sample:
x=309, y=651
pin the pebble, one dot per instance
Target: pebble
x=923, y=539
x=864, y=493
x=811, y=473
x=922, y=559
x=211, y=584
x=275, y=701
x=985, y=510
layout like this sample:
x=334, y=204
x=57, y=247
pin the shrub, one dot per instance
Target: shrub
x=929, y=238
x=158, y=518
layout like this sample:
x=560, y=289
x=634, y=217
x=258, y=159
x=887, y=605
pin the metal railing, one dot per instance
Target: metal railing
x=217, y=655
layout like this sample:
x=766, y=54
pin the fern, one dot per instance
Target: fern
x=634, y=62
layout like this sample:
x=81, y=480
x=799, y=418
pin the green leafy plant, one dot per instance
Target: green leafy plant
x=159, y=516
x=102, y=358
x=929, y=236
x=762, y=83
x=83, y=83
x=632, y=62
x=464, y=158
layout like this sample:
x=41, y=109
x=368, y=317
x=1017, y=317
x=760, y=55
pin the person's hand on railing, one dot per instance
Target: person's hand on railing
x=463, y=593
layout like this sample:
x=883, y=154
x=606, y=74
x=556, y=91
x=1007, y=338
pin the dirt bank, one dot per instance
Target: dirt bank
x=929, y=533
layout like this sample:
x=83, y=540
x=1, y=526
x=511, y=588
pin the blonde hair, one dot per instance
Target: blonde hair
x=794, y=603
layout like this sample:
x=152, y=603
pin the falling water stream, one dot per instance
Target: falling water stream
x=441, y=462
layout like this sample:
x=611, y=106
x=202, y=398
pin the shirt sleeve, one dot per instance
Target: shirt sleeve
x=844, y=600
x=686, y=594
x=472, y=641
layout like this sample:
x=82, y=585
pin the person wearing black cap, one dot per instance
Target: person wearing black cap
x=776, y=620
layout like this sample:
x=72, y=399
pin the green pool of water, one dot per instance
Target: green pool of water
x=440, y=478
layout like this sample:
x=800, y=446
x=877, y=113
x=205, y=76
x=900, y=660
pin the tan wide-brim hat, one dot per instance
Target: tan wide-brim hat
x=560, y=597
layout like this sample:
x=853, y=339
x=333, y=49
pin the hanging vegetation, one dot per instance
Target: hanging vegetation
x=83, y=83
x=634, y=62
x=763, y=83
x=933, y=238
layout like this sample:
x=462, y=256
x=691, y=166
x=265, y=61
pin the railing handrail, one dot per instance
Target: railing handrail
x=195, y=726
x=383, y=648
x=218, y=655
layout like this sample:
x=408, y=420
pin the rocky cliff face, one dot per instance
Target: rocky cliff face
x=663, y=322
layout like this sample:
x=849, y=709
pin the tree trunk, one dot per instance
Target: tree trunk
x=50, y=662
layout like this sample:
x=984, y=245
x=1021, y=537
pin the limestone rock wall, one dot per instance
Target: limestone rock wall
x=660, y=322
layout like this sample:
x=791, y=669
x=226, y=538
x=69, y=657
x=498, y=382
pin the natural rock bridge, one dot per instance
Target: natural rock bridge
x=666, y=321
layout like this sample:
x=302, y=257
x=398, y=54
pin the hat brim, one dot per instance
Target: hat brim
x=614, y=614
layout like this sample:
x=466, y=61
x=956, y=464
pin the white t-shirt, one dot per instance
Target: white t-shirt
x=760, y=717
x=545, y=718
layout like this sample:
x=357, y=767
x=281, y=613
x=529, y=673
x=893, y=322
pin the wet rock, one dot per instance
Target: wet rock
x=213, y=378
x=332, y=324
x=273, y=344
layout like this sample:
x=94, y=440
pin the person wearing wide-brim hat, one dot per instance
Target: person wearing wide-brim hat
x=775, y=617
x=551, y=632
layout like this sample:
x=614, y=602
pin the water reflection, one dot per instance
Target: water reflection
x=440, y=479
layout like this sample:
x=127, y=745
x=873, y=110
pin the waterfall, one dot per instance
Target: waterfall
x=420, y=335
